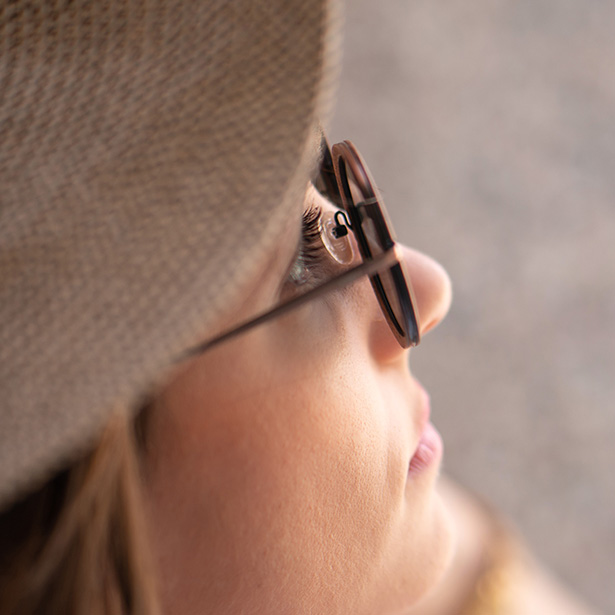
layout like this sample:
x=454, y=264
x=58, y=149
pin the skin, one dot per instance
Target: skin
x=277, y=466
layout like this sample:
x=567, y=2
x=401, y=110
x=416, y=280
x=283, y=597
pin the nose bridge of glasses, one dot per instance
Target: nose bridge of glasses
x=335, y=237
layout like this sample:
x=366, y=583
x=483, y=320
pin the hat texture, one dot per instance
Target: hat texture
x=150, y=153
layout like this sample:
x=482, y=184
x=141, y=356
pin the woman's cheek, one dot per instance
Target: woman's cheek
x=350, y=476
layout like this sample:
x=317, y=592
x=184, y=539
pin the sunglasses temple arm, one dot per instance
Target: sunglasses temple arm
x=387, y=259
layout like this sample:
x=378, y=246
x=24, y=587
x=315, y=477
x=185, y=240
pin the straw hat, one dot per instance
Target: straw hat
x=150, y=153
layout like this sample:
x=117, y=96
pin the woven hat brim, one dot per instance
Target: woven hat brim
x=150, y=153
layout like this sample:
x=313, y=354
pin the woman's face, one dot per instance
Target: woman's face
x=290, y=470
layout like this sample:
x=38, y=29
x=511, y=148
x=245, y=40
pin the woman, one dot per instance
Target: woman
x=155, y=159
x=314, y=456
x=206, y=399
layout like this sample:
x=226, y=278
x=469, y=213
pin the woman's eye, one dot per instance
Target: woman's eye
x=309, y=261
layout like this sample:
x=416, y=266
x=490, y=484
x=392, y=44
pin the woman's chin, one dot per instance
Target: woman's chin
x=445, y=539
x=440, y=554
x=421, y=564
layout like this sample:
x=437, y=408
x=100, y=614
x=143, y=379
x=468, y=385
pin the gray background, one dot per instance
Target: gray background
x=490, y=127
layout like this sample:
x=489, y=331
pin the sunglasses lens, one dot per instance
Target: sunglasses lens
x=374, y=236
x=389, y=287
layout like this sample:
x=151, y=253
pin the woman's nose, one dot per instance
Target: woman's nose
x=432, y=288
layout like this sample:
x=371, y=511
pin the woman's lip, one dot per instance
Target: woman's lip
x=428, y=451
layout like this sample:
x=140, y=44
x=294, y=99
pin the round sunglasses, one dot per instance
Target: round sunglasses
x=345, y=181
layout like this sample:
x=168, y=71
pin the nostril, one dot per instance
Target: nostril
x=385, y=349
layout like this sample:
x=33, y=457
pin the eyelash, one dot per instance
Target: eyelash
x=310, y=254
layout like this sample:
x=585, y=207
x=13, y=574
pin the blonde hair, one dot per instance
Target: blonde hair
x=78, y=545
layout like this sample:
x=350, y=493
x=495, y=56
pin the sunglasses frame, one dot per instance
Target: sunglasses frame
x=390, y=259
x=342, y=157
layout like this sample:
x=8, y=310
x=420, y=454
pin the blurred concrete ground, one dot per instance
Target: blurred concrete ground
x=490, y=127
